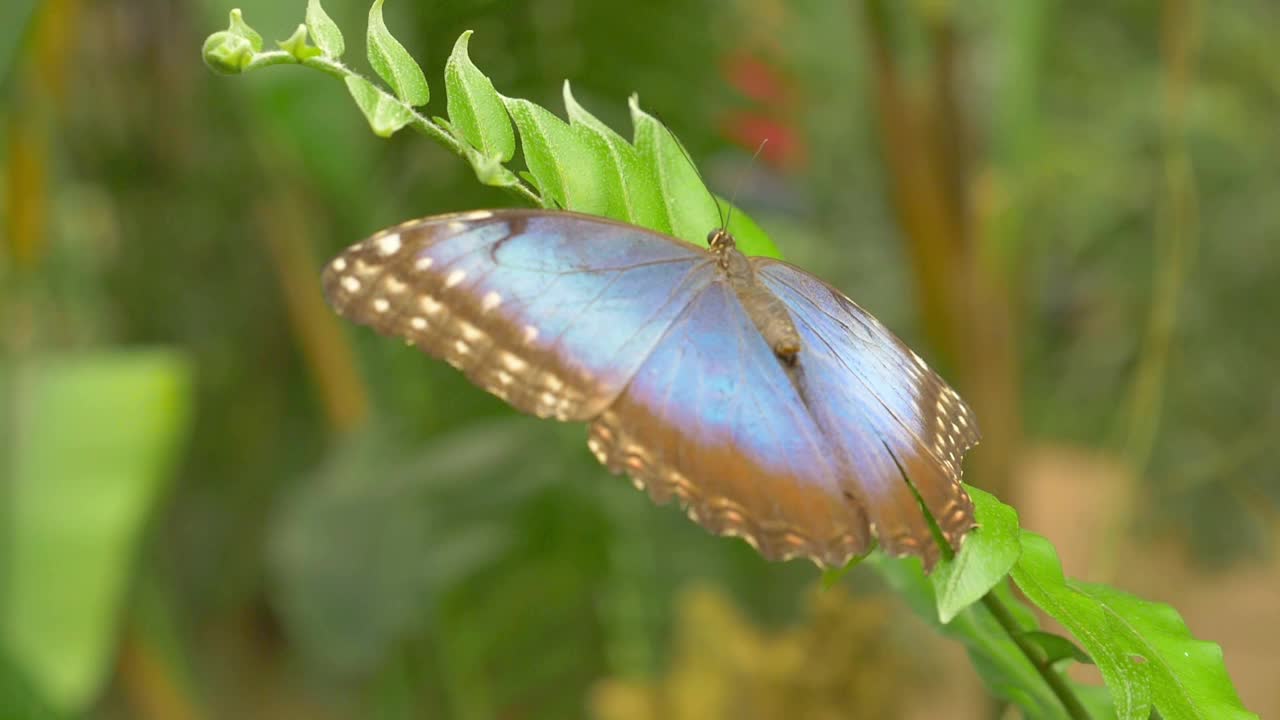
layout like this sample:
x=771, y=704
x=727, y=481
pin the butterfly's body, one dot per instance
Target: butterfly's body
x=762, y=306
x=764, y=400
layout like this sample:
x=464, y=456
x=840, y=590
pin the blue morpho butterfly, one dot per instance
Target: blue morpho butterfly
x=768, y=403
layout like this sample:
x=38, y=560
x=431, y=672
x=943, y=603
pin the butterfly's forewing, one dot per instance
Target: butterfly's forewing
x=863, y=378
x=711, y=419
x=553, y=312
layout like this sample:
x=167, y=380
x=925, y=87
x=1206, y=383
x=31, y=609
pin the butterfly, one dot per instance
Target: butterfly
x=767, y=403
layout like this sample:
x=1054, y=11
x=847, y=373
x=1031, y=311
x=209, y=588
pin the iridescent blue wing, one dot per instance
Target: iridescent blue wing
x=553, y=312
x=862, y=380
x=712, y=419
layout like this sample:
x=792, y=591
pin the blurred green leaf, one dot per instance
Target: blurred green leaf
x=393, y=63
x=15, y=16
x=475, y=108
x=985, y=558
x=97, y=436
x=384, y=113
x=18, y=697
x=324, y=31
x=360, y=552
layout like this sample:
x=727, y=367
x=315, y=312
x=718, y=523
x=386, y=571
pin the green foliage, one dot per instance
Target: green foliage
x=581, y=165
x=393, y=63
x=1145, y=653
x=385, y=114
x=325, y=31
x=417, y=515
x=99, y=434
x=985, y=558
x=475, y=108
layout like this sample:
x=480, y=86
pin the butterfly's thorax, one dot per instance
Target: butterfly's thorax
x=766, y=311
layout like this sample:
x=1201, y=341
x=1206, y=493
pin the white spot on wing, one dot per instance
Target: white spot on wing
x=381, y=305
x=478, y=215
x=395, y=285
x=491, y=300
x=350, y=284
x=430, y=305
x=418, y=323
x=455, y=277
x=470, y=332
x=530, y=333
x=424, y=263
x=389, y=244
x=339, y=264
x=456, y=226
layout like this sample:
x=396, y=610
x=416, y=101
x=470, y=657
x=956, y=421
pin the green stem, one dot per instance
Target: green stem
x=1056, y=682
x=420, y=122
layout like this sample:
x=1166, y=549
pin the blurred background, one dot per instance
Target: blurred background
x=218, y=501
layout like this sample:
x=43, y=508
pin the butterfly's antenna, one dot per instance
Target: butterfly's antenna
x=733, y=199
x=719, y=210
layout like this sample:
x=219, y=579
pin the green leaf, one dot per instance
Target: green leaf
x=985, y=558
x=1188, y=676
x=99, y=434
x=297, y=45
x=1057, y=648
x=230, y=51
x=324, y=31
x=625, y=170
x=19, y=698
x=1129, y=652
x=385, y=114
x=241, y=28
x=571, y=166
x=393, y=63
x=416, y=513
x=690, y=209
x=475, y=108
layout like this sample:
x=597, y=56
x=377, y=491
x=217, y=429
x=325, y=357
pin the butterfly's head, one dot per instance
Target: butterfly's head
x=720, y=239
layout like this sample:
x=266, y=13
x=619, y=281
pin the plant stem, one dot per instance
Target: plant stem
x=1056, y=682
x=420, y=122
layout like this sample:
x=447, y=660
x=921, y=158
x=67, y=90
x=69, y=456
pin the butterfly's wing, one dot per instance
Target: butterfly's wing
x=553, y=312
x=712, y=419
x=861, y=378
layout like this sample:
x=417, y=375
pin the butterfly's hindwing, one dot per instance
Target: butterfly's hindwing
x=711, y=420
x=864, y=378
